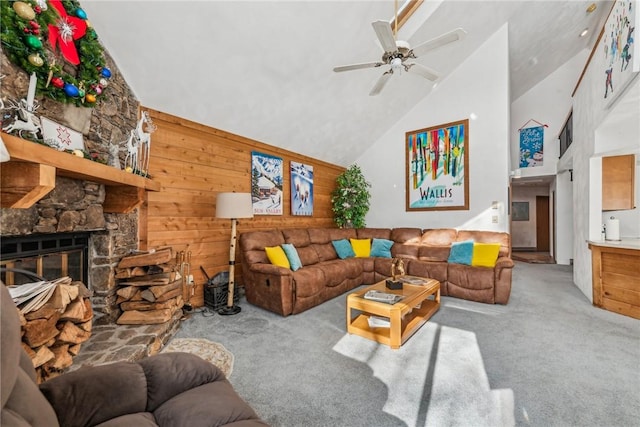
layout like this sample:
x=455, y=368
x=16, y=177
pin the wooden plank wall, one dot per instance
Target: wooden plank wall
x=193, y=163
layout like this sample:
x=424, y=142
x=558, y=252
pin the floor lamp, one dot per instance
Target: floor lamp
x=233, y=206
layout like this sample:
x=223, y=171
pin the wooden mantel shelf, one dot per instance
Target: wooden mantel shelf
x=30, y=175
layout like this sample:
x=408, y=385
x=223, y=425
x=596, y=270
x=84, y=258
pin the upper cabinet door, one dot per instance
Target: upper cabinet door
x=618, y=182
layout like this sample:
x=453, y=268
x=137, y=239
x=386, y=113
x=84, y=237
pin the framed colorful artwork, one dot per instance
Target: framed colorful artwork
x=266, y=184
x=617, y=51
x=437, y=167
x=301, y=189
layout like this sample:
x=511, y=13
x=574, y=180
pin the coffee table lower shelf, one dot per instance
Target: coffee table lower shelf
x=404, y=319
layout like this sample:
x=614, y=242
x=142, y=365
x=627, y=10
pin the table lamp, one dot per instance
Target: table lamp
x=233, y=206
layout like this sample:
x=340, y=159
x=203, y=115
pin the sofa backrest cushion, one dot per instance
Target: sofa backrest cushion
x=301, y=239
x=407, y=242
x=374, y=233
x=252, y=245
x=321, y=241
x=435, y=244
x=298, y=237
x=488, y=237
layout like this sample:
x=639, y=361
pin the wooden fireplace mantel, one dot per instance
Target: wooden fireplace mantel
x=31, y=174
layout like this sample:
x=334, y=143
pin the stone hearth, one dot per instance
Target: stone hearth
x=115, y=343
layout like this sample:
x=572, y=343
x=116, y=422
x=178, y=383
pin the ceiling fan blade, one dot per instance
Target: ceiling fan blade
x=357, y=66
x=385, y=35
x=444, y=39
x=380, y=83
x=423, y=71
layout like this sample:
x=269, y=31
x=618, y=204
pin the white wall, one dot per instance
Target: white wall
x=564, y=218
x=589, y=113
x=549, y=102
x=478, y=89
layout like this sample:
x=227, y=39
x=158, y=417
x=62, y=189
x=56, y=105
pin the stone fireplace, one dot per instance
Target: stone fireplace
x=56, y=228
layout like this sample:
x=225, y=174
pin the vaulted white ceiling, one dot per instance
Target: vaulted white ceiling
x=263, y=69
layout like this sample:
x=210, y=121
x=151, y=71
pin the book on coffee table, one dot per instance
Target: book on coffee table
x=412, y=280
x=385, y=297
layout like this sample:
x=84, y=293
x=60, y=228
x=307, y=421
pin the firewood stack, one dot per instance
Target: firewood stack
x=149, y=288
x=52, y=334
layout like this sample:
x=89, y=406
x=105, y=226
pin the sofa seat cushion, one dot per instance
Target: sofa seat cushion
x=140, y=419
x=471, y=283
x=309, y=281
x=337, y=271
x=212, y=404
x=428, y=269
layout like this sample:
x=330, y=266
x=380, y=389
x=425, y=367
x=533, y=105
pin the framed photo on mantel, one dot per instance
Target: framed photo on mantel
x=437, y=167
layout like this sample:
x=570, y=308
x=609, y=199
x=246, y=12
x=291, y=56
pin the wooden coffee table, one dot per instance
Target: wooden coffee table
x=405, y=316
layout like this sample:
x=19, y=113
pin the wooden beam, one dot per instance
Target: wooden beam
x=23, y=184
x=122, y=199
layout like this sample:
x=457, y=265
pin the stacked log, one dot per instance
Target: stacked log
x=149, y=288
x=52, y=334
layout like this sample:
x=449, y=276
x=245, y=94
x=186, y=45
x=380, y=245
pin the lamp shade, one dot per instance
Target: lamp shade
x=234, y=205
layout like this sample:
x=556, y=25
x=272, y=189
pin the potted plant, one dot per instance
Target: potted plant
x=350, y=199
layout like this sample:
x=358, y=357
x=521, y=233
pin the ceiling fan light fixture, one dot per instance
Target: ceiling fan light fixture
x=396, y=65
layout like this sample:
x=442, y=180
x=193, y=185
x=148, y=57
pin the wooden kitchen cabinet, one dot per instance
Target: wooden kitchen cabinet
x=618, y=182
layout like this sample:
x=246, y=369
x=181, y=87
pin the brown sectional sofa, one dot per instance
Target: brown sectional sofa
x=325, y=276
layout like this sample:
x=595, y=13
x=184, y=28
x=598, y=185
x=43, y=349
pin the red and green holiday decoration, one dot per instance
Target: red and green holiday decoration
x=55, y=40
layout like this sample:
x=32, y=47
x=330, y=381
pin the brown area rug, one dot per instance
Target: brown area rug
x=210, y=351
x=532, y=257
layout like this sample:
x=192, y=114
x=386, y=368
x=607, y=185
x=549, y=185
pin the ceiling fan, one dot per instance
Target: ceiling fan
x=398, y=54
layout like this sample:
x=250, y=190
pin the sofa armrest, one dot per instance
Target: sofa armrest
x=503, y=271
x=92, y=395
x=270, y=269
x=504, y=262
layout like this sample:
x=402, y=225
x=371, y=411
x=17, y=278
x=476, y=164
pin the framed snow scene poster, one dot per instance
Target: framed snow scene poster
x=437, y=167
x=301, y=189
x=266, y=184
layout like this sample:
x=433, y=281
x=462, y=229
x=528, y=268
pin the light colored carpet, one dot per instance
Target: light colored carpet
x=548, y=358
x=210, y=351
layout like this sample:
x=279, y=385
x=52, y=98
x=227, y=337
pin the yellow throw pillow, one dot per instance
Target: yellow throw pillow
x=485, y=254
x=277, y=256
x=361, y=247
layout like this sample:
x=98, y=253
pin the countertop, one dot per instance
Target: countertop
x=623, y=244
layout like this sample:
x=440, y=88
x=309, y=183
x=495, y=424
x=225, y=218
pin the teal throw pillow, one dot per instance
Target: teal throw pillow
x=343, y=248
x=381, y=248
x=461, y=252
x=292, y=255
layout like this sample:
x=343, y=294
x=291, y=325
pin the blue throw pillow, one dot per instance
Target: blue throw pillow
x=381, y=248
x=343, y=248
x=461, y=252
x=292, y=255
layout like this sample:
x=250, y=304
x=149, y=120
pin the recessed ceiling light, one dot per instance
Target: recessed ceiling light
x=584, y=32
x=591, y=7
